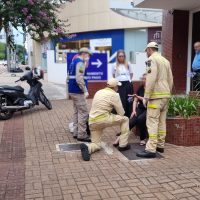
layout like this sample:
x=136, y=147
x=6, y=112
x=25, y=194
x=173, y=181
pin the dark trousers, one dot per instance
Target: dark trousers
x=125, y=89
x=196, y=81
x=140, y=121
x=34, y=92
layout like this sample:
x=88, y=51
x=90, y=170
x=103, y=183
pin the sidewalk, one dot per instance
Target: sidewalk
x=52, y=91
x=32, y=168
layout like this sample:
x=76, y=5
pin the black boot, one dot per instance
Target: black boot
x=146, y=154
x=87, y=139
x=127, y=147
x=118, y=134
x=85, y=152
x=161, y=150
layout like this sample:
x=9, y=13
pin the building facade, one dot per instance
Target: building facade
x=93, y=24
x=180, y=31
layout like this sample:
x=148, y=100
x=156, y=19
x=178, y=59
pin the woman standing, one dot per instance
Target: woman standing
x=122, y=71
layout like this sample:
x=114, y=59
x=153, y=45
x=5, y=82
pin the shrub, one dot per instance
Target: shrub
x=184, y=106
x=27, y=68
x=23, y=62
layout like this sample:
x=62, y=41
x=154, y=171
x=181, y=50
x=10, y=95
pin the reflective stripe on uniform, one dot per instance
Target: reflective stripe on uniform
x=74, y=77
x=101, y=117
x=160, y=132
x=157, y=94
x=152, y=106
x=153, y=136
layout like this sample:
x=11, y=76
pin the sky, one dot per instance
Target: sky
x=18, y=36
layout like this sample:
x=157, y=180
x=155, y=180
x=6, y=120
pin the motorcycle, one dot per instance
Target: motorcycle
x=13, y=98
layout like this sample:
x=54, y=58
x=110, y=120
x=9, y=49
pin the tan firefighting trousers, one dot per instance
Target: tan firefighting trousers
x=80, y=116
x=156, y=123
x=109, y=120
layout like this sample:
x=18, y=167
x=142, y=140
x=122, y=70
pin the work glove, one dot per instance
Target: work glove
x=145, y=101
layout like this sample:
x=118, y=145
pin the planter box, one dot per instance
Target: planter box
x=183, y=132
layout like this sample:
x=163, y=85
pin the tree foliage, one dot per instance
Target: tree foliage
x=20, y=51
x=2, y=51
x=36, y=17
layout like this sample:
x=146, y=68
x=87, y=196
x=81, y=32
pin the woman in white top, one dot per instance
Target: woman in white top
x=122, y=71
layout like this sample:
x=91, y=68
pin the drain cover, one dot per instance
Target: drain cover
x=135, y=148
x=68, y=147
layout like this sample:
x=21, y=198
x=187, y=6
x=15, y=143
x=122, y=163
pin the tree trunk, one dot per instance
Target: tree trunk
x=8, y=51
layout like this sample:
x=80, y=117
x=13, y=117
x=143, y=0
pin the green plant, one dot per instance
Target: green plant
x=184, y=106
x=2, y=51
x=23, y=62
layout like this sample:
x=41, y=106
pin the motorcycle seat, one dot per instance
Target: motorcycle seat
x=17, y=88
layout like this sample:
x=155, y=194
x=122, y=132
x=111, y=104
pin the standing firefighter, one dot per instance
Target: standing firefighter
x=101, y=117
x=78, y=92
x=159, y=83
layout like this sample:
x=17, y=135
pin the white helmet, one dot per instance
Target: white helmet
x=38, y=73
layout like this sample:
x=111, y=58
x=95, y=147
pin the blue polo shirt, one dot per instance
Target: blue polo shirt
x=196, y=62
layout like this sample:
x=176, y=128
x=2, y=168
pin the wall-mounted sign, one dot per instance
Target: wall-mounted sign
x=102, y=42
x=154, y=34
x=70, y=36
x=97, y=68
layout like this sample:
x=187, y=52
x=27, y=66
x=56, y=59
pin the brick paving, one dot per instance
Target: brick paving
x=31, y=168
x=12, y=159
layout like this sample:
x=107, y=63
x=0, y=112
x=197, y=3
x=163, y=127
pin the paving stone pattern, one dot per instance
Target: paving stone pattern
x=31, y=168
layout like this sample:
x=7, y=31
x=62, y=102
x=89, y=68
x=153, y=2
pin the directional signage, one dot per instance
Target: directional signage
x=98, y=66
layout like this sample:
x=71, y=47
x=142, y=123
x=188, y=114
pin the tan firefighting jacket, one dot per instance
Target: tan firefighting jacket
x=159, y=81
x=103, y=103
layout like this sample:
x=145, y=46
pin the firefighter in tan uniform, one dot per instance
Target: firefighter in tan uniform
x=159, y=83
x=100, y=117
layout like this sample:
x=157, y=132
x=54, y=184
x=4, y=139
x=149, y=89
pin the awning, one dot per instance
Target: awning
x=125, y=8
x=167, y=4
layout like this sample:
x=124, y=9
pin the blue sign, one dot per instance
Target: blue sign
x=117, y=37
x=97, y=69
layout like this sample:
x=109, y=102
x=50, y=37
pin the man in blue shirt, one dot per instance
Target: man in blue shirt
x=196, y=66
x=78, y=91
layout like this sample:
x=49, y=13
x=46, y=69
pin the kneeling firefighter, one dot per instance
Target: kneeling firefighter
x=101, y=117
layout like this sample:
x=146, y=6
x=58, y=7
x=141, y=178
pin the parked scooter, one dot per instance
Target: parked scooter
x=13, y=98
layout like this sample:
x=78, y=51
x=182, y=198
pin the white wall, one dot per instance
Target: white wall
x=139, y=67
x=93, y=15
x=57, y=72
x=135, y=40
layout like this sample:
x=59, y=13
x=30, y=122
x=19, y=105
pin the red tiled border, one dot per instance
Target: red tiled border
x=12, y=160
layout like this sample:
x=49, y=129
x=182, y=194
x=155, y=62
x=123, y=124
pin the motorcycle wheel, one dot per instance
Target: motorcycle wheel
x=5, y=115
x=43, y=99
